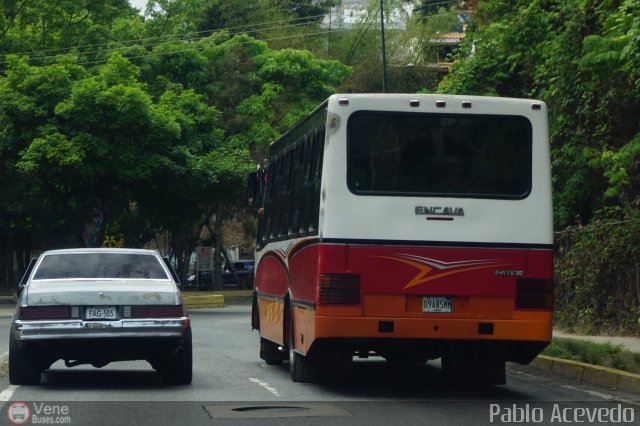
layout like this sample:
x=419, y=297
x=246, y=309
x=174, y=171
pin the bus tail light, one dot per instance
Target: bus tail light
x=339, y=289
x=532, y=293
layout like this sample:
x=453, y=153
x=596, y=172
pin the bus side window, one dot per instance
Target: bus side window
x=268, y=204
x=305, y=182
x=285, y=194
x=277, y=199
x=297, y=177
x=316, y=174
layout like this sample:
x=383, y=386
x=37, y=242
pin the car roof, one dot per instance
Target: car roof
x=100, y=250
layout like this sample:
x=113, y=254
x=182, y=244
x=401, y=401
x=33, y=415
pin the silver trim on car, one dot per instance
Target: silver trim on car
x=79, y=329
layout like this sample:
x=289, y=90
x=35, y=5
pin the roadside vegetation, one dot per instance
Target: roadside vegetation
x=118, y=128
x=603, y=354
x=115, y=127
x=583, y=59
x=121, y=127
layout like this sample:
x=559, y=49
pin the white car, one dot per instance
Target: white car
x=96, y=306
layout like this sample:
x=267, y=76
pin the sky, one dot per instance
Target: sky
x=139, y=4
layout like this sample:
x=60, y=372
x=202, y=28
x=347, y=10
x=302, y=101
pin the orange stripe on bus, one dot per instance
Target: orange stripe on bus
x=433, y=328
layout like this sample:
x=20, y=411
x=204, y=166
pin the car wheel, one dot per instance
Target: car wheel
x=24, y=364
x=177, y=369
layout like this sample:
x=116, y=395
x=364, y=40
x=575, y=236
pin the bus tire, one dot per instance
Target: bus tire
x=270, y=352
x=301, y=368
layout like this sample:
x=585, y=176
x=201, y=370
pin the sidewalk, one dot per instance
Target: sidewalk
x=594, y=374
x=631, y=344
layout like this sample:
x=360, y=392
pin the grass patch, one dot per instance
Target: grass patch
x=604, y=354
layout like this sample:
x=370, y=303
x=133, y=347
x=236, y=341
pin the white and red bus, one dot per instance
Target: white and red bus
x=411, y=227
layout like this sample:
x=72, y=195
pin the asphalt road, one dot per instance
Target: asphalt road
x=233, y=386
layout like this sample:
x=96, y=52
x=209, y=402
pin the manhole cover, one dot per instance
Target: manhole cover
x=274, y=411
x=271, y=408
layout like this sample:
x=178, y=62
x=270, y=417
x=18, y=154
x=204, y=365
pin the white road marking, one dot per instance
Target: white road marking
x=604, y=396
x=265, y=385
x=524, y=374
x=6, y=394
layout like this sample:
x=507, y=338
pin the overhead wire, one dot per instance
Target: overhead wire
x=118, y=48
x=194, y=34
x=196, y=48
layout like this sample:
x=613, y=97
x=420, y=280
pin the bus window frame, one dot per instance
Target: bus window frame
x=359, y=192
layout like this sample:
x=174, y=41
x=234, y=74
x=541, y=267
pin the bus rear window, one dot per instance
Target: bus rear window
x=474, y=156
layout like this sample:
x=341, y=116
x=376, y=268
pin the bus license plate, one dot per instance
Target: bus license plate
x=437, y=304
x=101, y=313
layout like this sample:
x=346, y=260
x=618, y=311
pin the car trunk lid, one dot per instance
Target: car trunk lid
x=101, y=292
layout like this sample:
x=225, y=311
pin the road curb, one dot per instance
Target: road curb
x=593, y=374
x=202, y=300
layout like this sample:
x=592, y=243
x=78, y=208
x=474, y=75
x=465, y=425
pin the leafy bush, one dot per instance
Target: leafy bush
x=598, y=276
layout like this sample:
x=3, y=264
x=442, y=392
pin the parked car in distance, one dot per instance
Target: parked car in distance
x=96, y=306
x=238, y=273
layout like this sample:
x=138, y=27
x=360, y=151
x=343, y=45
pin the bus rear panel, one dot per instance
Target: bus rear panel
x=433, y=239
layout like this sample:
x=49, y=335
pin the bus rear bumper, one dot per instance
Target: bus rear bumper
x=513, y=340
x=434, y=328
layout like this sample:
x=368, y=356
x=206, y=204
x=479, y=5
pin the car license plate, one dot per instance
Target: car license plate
x=101, y=312
x=437, y=304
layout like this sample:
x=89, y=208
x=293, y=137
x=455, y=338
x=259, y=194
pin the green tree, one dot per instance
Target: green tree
x=44, y=26
x=580, y=58
x=148, y=131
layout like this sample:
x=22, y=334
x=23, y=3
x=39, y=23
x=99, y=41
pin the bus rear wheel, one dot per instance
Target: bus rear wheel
x=301, y=368
x=270, y=352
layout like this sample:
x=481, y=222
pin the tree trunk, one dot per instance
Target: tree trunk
x=217, y=252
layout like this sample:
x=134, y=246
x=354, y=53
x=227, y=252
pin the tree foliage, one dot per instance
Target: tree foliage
x=581, y=57
x=114, y=125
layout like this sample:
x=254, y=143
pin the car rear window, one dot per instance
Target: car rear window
x=100, y=265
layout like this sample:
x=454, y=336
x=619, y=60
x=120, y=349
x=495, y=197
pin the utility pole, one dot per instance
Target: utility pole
x=384, y=53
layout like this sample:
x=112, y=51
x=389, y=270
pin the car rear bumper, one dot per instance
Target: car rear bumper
x=80, y=329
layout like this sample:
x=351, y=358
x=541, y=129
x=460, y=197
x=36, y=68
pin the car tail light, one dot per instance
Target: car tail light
x=534, y=293
x=339, y=289
x=45, y=312
x=157, y=311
